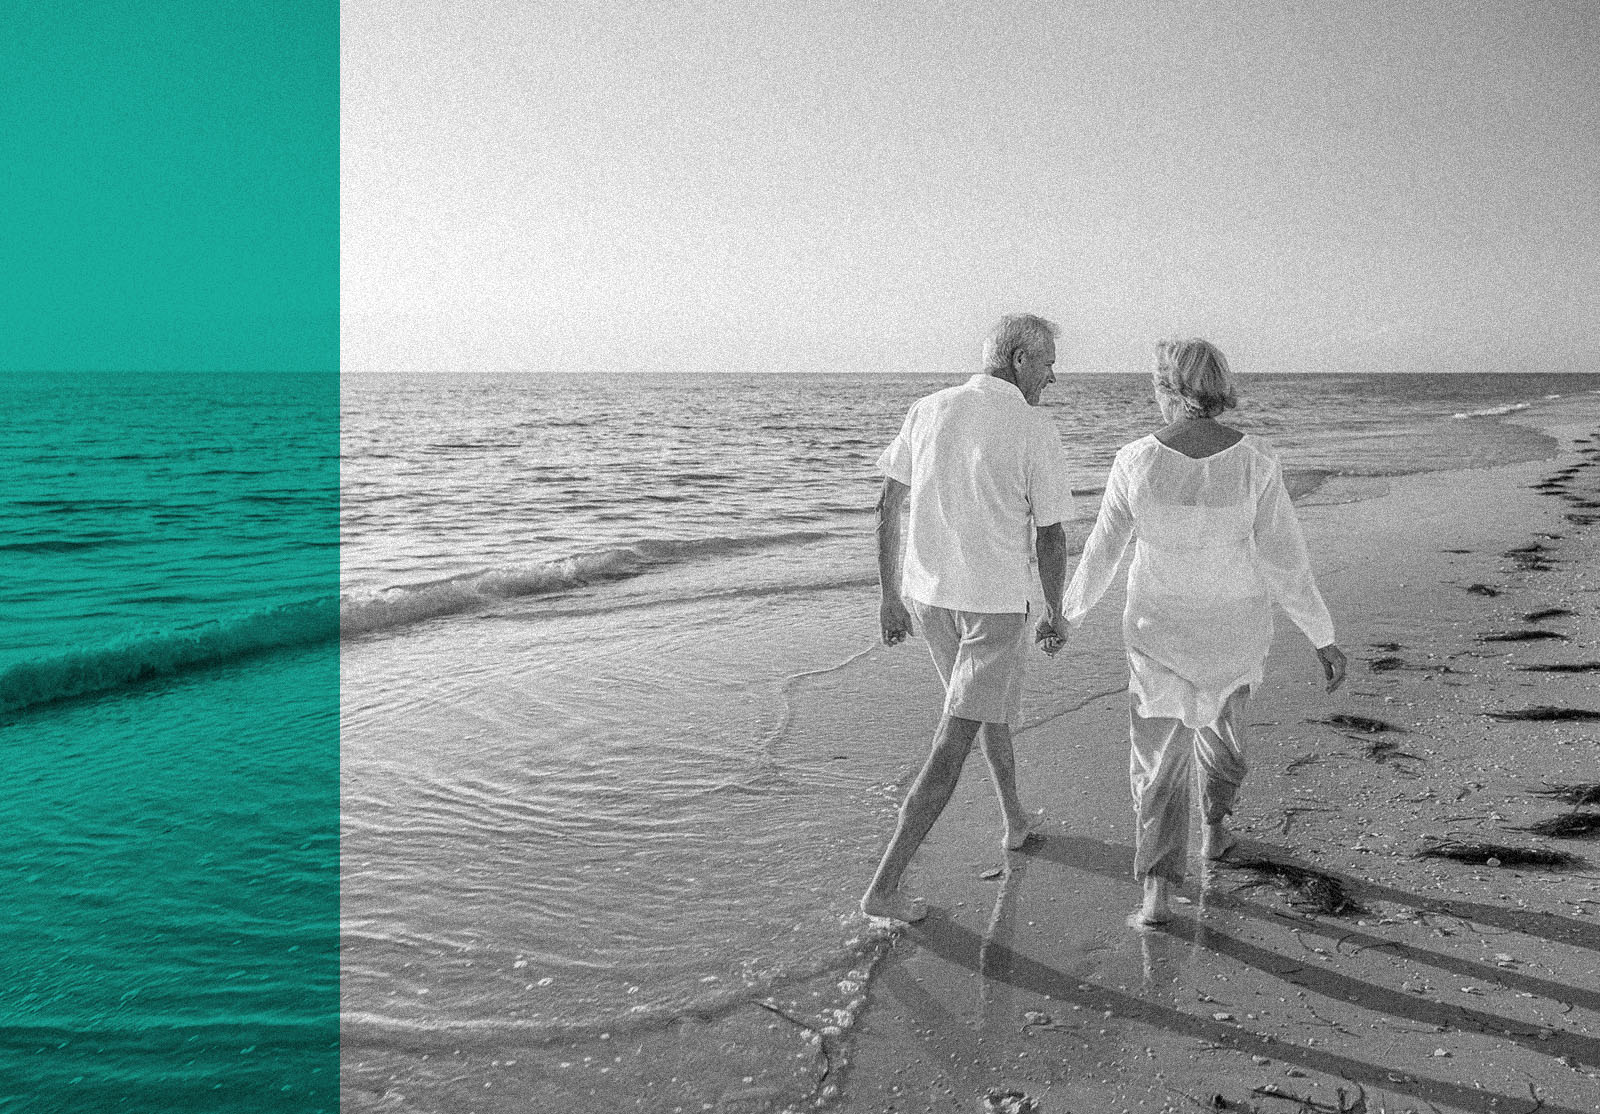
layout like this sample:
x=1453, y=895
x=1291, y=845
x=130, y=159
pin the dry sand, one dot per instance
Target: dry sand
x=1454, y=986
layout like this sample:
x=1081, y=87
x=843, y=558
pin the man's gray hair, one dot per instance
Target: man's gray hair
x=1195, y=375
x=1013, y=333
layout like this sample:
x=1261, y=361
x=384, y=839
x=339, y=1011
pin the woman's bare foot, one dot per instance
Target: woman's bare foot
x=894, y=906
x=1155, y=909
x=1216, y=840
x=1019, y=833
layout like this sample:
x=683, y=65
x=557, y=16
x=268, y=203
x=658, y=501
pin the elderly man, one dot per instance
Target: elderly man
x=980, y=467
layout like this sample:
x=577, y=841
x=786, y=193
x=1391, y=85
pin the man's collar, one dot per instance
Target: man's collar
x=986, y=382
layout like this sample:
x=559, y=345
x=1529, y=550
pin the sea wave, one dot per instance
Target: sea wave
x=1497, y=411
x=145, y=655
x=140, y=657
x=382, y=609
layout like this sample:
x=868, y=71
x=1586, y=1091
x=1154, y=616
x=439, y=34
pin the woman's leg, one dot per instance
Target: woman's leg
x=1158, y=774
x=1219, y=749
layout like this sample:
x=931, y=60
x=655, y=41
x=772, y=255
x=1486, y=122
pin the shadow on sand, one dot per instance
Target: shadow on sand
x=993, y=957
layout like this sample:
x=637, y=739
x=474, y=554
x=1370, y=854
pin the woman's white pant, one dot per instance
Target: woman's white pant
x=1160, y=767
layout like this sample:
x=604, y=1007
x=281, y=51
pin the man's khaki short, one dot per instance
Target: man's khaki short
x=980, y=659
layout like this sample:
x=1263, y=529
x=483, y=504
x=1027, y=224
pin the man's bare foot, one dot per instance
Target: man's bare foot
x=894, y=906
x=1216, y=840
x=1018, y=834
x=1155, y=909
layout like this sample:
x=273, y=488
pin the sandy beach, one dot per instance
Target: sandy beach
x=1439, y=984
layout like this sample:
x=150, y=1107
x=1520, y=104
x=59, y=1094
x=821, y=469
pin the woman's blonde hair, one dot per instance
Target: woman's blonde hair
x=1194, y=374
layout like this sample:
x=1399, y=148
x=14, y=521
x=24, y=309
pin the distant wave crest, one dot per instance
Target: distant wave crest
x=1496, y=411
x=375, y=610
x=141, y=657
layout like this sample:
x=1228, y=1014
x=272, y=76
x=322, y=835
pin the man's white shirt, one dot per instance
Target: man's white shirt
x=984, y=469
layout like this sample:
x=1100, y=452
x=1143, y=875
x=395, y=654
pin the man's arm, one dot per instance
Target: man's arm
x=1050, y=546
x=892, y=614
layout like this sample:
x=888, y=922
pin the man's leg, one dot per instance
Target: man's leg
x=996, y=741
x=928, y=795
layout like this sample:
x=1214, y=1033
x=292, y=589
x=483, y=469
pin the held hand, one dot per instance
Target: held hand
x=1051, y=637
x=1332, y=659
x=894, y=620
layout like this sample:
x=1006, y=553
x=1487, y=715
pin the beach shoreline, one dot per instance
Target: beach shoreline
x=1458, y=986
x=701, y=949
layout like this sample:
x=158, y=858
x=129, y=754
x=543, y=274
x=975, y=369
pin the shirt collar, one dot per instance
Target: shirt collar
x=983, y=381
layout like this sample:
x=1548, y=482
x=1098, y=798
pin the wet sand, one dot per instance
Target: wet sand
x=1443, y=986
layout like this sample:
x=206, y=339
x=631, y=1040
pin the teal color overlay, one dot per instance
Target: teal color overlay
x=169, y=660
x=170, y=185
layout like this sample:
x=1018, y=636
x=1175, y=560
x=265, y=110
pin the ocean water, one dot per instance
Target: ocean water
x=619, y=750
x=168, y=725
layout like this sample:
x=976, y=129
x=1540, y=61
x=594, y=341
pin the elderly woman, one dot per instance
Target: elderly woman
x=1216, y=544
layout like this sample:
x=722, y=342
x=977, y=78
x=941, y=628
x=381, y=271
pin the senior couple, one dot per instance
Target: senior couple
x=984, y=486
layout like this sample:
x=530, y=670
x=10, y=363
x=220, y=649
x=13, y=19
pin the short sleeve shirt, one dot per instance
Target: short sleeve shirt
x=984, y=469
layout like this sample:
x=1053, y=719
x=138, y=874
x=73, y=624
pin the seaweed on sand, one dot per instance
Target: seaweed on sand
x=1547, y=713
x=1482, y=590
x=1531, y=557
x=1361, y=723
x=1523, y=636
x=1307, y=889
x=1501, y=853
x=1547, y=613
x=1583, y=793
x=1562, y=667
x=1384, y=665
x=1574, y=825
x=1381, y=750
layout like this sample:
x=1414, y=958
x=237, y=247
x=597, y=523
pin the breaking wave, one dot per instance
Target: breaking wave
x=147, y=655
x=142, y=657
x=1496, y=411
x=366, y=612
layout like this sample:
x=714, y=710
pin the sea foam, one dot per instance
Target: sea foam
x=382, y=609
x=1497, y=411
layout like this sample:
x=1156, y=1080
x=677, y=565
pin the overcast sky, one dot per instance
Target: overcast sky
x=1398, y=185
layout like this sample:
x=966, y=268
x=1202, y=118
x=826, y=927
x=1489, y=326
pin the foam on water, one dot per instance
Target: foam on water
x=364, y=611
x=1496, y=411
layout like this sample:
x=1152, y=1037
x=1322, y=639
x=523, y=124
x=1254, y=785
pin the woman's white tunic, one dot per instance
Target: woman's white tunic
x=1216, y=543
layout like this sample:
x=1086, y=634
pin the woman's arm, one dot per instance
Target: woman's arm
x=1113, y=529
x=1286, y=567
